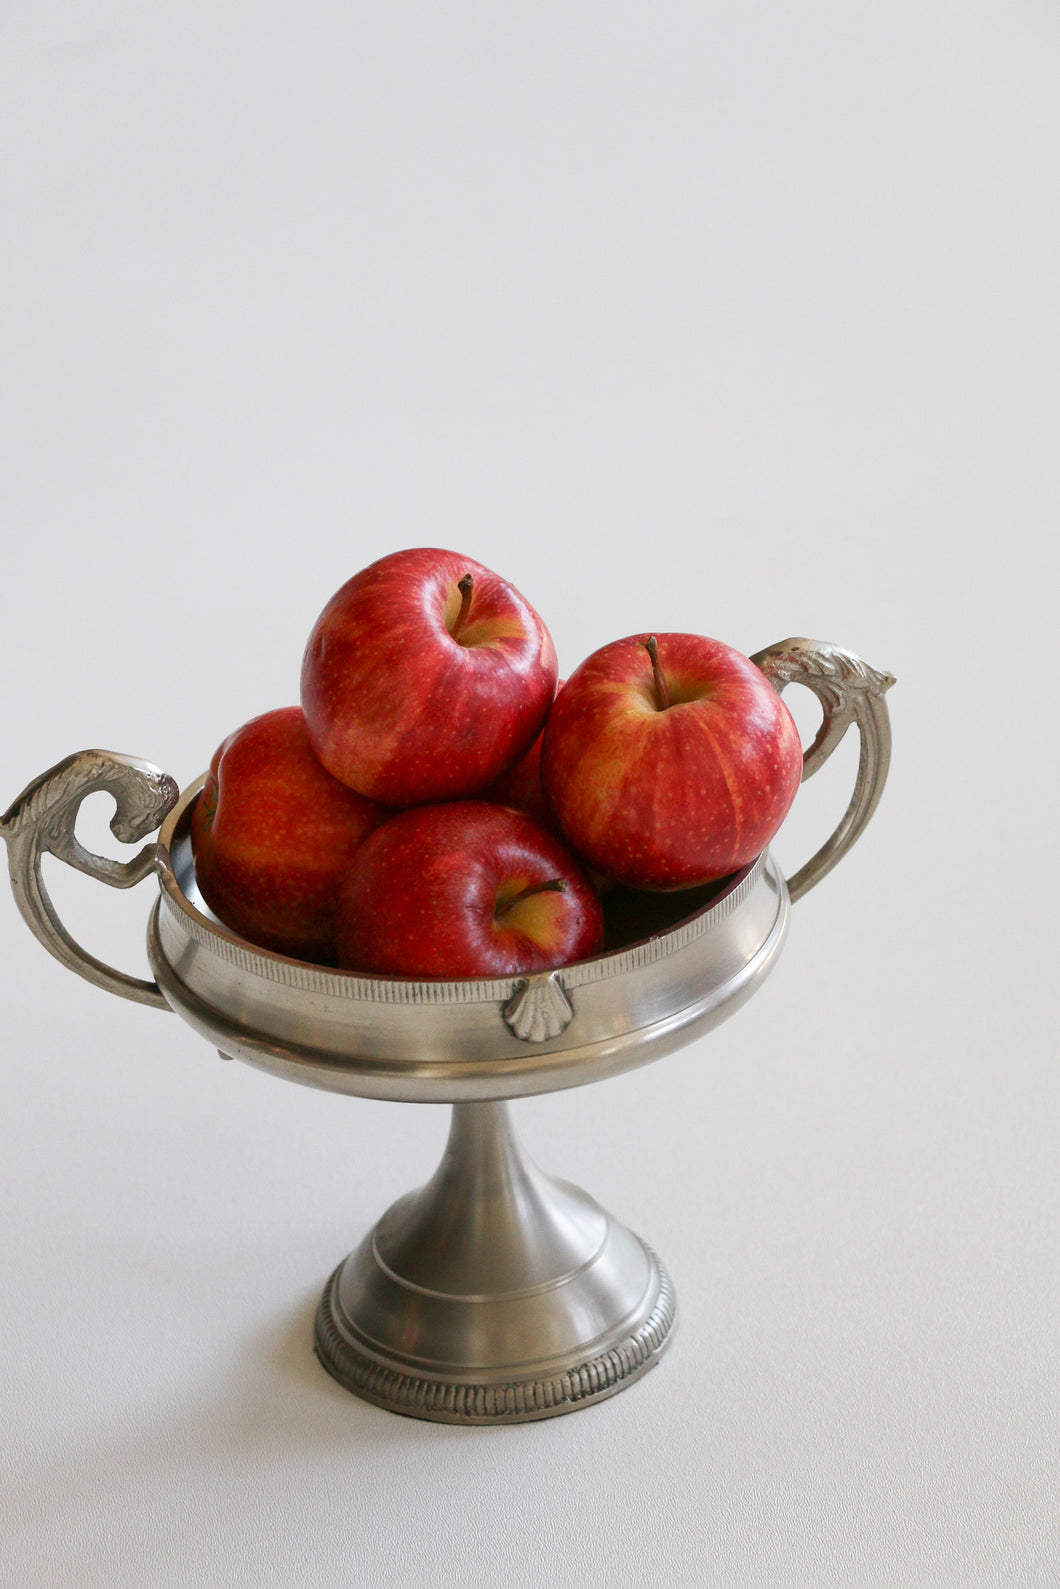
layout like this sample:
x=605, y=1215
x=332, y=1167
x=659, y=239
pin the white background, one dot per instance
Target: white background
x=734, y=318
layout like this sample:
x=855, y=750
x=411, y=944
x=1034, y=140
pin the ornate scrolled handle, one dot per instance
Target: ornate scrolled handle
x=849, y=692
x=42, y=821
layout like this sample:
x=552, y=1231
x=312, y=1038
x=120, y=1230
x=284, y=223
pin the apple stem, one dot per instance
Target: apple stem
x=554, y=885
x=662, y=694
x=466, y=587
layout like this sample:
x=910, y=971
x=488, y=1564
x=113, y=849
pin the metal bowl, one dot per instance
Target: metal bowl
x=446, y=1042
x=495, y=1293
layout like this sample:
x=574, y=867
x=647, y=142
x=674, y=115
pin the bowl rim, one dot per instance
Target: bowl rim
x=269, y=966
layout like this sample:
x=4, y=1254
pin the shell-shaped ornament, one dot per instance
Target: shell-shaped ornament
x=539, y=1009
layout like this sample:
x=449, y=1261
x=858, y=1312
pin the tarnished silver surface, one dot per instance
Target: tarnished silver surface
x=495, y=1293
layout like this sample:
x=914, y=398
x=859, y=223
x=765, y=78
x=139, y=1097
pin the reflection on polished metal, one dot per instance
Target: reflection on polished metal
x=495, y=1293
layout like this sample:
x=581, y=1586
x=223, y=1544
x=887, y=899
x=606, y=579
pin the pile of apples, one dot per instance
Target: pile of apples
x=435, y=807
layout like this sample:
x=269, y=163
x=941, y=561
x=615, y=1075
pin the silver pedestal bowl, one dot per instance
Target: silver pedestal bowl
x=495, y=1293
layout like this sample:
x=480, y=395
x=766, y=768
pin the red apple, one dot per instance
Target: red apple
x=521, y=787
x=671, y=769
x=465, y=889
x=425, y=677
x=272, y=834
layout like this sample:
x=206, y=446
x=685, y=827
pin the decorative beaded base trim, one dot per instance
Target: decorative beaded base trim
x=511, y=1401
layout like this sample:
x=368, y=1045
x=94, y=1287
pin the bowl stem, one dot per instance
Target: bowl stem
x=495, y=1293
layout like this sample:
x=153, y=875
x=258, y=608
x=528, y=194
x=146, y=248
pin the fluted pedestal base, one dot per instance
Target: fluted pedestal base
x=495, y=1294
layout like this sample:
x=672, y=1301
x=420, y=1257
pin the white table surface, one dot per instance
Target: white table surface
x=741, y=320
